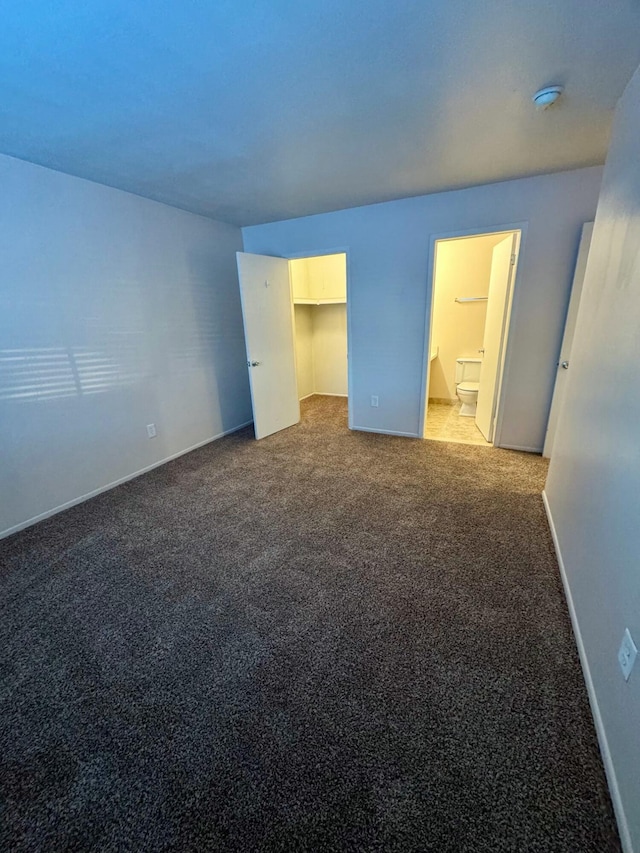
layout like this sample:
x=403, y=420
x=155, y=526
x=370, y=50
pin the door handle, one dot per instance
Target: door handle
x=253, y=363
x=481, y=350
x=564, y=364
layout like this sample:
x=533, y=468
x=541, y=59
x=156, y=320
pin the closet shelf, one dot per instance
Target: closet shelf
x=337, y=301
x=471, y=298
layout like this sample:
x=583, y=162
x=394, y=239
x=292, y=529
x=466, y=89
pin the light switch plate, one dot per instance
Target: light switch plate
x=627, y=654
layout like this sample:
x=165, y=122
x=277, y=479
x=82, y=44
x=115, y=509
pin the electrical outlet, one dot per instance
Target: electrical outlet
x=151, y=430
x=627, y=654
x=374, y=400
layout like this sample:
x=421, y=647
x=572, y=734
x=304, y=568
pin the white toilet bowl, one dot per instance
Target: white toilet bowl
x=468, y=395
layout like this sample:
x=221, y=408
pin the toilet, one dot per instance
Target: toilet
x=467, y=384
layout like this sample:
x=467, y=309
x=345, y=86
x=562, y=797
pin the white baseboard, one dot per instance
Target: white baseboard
x=385, y=432
x=75, y=501
x=517, y=447
x=306, y=396
x=614, y=790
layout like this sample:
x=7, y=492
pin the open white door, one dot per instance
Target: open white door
x=502, y=267
x=567, y=338
x=267, y=313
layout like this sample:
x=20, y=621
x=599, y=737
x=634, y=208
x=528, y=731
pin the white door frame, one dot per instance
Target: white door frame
x=340, y=250
x=520, y=227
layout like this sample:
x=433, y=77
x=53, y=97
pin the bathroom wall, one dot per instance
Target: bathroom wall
x=462, y=269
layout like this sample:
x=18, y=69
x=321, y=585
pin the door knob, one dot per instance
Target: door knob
x=253, y=363
x=481, y=350
x=564, y=364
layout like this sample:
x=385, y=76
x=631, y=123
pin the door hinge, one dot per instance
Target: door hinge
x=513, y=259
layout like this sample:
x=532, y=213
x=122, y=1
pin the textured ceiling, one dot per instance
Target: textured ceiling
x=256, y=111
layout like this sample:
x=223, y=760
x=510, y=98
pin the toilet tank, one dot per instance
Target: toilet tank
x=468, y=370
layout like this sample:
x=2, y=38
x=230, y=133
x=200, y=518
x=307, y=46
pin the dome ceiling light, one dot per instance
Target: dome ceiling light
x=544, y=98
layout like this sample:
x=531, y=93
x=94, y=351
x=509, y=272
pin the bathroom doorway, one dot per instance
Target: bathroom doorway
x=472, y=290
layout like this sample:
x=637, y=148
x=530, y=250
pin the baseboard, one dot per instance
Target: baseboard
x=614, y=790
x=518, y=447
x=75, y=501
x=385, y=432
x=306, y=396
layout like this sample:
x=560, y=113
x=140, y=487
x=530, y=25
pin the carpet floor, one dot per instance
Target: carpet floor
x=322, y=641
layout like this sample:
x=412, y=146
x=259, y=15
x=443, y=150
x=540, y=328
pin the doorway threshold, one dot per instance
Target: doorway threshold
x=444, y=423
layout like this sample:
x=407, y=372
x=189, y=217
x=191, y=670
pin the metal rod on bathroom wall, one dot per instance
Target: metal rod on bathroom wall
x=471, y=298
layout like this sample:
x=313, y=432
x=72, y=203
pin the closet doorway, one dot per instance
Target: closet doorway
x=319, y=293
x=472, y=291
x=295, y=322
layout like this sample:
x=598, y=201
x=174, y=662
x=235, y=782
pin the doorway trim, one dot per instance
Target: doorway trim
x=521, y=229
x=340, y=250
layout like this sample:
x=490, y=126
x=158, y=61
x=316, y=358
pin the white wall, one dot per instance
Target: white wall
x=321, y=349
x=115, y=312
x=593, y=488
x=388, y=258
x=463, y=268
x=303, y=315
x=330, y=349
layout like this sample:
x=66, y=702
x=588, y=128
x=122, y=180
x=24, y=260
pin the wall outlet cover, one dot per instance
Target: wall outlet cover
x=151, y=430
x=627, y=654
x=374, y=400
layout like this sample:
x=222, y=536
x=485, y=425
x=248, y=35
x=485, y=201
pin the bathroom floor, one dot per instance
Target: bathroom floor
x=444, y=423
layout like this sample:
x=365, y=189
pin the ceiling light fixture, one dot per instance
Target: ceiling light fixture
x=547, y=96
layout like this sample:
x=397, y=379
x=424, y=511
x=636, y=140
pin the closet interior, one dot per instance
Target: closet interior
x=319, y=294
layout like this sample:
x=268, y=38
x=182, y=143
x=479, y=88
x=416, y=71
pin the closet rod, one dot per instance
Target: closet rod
x=471, y=298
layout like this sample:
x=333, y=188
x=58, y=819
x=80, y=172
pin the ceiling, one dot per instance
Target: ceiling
x=256, y=111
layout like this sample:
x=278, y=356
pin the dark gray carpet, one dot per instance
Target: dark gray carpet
x=324, y=641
